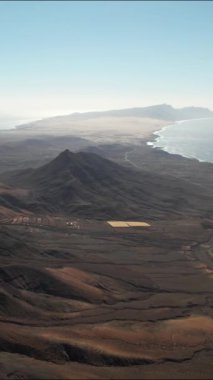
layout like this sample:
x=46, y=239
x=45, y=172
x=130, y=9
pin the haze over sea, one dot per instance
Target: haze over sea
x=12, y=122
x=188, y=138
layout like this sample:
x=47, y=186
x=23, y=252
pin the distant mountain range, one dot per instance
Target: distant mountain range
x=160, y=112
x=88, y=185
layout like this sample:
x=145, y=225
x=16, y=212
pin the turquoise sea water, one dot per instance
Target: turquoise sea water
x=188, y=138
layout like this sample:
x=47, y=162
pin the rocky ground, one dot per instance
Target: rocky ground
x=86, y=301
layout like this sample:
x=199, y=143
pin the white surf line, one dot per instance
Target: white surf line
x=126, y=157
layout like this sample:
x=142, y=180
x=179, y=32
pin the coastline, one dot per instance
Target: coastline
x=153, y=136
x=156, y=135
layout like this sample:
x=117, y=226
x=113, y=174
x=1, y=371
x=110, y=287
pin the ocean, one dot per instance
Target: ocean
x=11, y=122
x=5, y=124
x=188, y=138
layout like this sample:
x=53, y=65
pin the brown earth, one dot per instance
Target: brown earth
x=87, y=301
x=107, y=304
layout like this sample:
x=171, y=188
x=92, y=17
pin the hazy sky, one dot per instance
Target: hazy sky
x=59, y=57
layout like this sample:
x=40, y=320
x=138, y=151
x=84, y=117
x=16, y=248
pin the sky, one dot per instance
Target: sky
x=58, y=57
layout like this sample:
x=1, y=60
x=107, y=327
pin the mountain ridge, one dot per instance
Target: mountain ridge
x=161, y=111
x=89, y=185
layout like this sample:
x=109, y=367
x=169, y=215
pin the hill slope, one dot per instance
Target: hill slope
x=86, y=184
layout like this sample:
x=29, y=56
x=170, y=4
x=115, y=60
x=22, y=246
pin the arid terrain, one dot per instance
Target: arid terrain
x=85, y=292
x=92, y=301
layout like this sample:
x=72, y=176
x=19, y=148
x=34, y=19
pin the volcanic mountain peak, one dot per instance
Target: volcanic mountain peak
x=87, y=161
x=65, y=157
x=66, y=154
x=85, y=168
x=87, y=184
